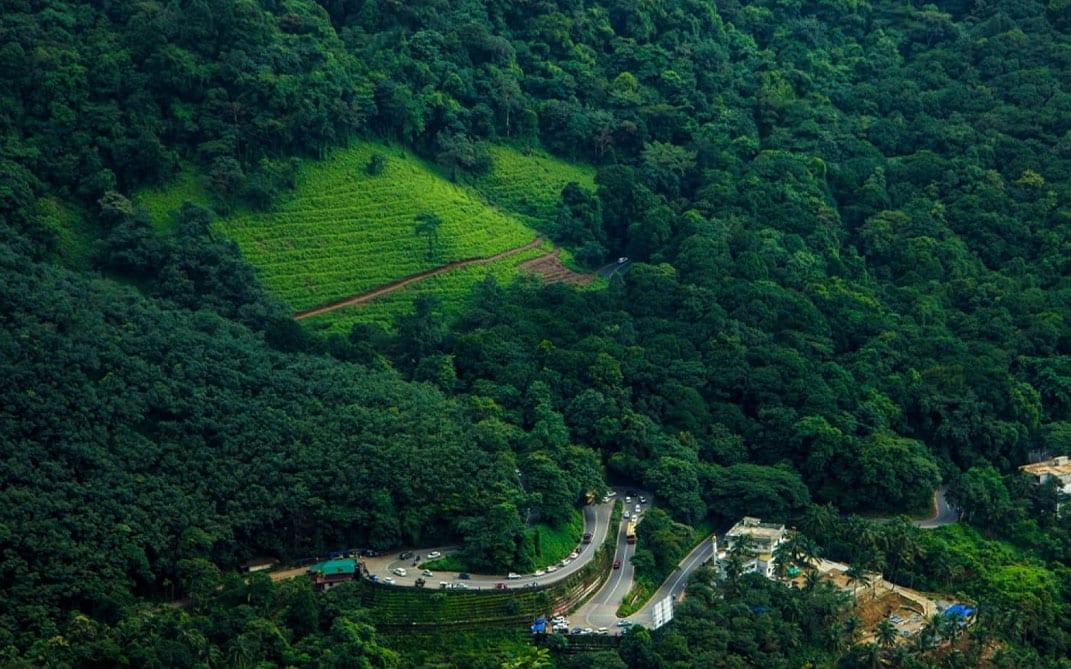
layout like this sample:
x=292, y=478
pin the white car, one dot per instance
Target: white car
x=626, y=515
x=612, y=493
x=628, y=500
x=513, y=576
x=388, y=580
x=602, y=630
x=622, y=260
x=566, y=561
x=643, y=500
x=434, y=554
x=637, y=508
x=552, y=568
x=398, y=571
x=427, y=573
x=587, y=630
x=574, y=555
x=539, y=572
x=624, y=623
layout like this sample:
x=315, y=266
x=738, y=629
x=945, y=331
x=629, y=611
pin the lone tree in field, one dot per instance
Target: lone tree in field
x=376, y=164
x=428, y=226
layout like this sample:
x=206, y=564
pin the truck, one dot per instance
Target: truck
x=630, y=531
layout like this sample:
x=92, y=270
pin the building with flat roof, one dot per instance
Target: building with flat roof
x=764, y=539
x=1056, y=469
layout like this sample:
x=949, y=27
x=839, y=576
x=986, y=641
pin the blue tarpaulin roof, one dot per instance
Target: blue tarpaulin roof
x=539, y=626
x=959, y=611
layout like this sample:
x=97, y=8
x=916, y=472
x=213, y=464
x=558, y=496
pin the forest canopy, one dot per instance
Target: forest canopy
x=848, y=227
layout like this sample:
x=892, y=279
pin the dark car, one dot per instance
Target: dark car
x=406, y=555
x=587, y=537
x=617, y=564
x=631, y=493
x=464, y=576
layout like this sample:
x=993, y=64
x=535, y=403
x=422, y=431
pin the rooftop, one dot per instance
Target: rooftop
x=757, y=529
x=1058, y=466
x=334, y=567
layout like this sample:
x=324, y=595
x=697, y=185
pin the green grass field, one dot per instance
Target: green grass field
x=530, y=184
x=343, y=232
x=451, y=289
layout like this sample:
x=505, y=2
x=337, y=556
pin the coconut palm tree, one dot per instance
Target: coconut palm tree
x=886, y=633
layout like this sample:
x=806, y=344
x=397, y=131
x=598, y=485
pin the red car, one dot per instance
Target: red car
x=501, y=586
x=617, y=564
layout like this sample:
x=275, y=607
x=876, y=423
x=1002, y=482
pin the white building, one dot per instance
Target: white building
x=1058, y=469
x=765, y=538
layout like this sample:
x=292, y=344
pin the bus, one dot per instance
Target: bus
x=630, y=531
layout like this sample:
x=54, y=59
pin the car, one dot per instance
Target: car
x=566, y=561
x=602, y=630
x=577, y=630
x=513, y=576
x=605, y=499
x=587, y=630
x=432, y=555
x=612, y=493
x=558, y=619
x=443, y=585
x=587, y=537
x=622, y=260
x=643, y=500
x=626, y=515
x=501, y=586
x=617, y=564
x=388, y=580
x=405, y=555
x=552, y=568
x=540, y=572
x=464, y=576
x=632, y=493
x=427, y=572
x=624, y=623
x=574, y=555
x=628, y=500
x=637, y=508
x=398, y=571
x=373, y=578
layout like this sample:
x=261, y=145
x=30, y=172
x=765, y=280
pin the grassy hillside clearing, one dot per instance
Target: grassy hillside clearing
x=343, y=232
x=529, y=184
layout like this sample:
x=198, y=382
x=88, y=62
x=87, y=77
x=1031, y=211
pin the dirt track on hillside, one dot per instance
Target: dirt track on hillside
x=386, y=289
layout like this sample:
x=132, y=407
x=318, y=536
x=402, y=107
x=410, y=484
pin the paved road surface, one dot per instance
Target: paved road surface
x=944, y=514
x=608, y=271
x=596, y=521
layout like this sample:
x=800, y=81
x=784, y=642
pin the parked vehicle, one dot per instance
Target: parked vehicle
x=501, y=586
x=433, y=555
x=587, y=537
x=464, y=576
x=603, y=631
x=622, y=260
x=637, y=509
x=513, y=576
x=643, y=500
x=427, y=573
x=626, y=515
x=628, y=500
x=388, y=580
x=624, y=623
x=552, y=568
x=617, y=564
x=540, y=572
x=398, y=571
x=406, y=555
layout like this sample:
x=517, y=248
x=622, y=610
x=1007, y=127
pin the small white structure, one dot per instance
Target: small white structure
x=663, y=612
x=765, y=538
x=1058, y=469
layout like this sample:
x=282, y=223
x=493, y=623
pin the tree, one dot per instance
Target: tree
x=428, y=227
x=377, y=162
x=886, y=633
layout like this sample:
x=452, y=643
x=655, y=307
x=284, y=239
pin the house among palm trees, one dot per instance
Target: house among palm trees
x=757, y=541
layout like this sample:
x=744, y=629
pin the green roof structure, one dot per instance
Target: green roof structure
x=334, y=567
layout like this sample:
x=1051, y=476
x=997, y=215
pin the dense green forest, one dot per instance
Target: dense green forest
x=849, y=223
